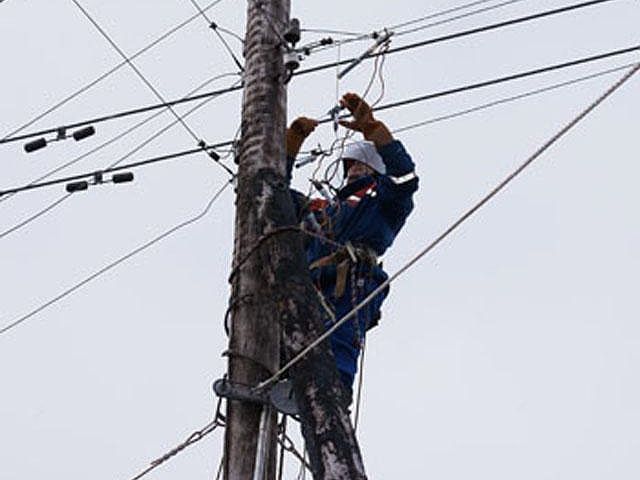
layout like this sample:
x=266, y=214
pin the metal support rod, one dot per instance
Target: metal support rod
x=263, y=442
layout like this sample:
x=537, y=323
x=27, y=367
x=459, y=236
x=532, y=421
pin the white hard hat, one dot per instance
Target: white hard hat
x=365, y=152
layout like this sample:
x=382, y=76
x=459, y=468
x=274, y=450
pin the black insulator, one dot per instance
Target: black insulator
x=77, y=186
x=122, y=177
x=83, y=133
x=326, y=41
x=35, y=145
x=213, y=155
x=292, y=35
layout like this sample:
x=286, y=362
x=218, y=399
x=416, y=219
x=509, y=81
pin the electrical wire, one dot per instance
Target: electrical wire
x=457, y=17
x=111, y=168
x=331, y=65
x=231, y=33
x=421, y=254
x=34, y=216
x=115, y=263
x=333, y=32
x=215, y=28
x=504, y=100
x=116, y=137
x=496, y=81
x=513, y=98
x=461, y=34
x=126, y=113
x=427, y=17
x=438, y=14
x=127, y=166
x=396, y=104
x=134, y=68
x=108, y=73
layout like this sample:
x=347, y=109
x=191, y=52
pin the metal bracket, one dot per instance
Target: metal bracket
x=234, y=391
x=280, y=396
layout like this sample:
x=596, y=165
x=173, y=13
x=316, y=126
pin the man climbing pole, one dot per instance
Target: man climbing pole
x=355, y=227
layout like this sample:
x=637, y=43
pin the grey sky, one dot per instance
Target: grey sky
x=511, y=352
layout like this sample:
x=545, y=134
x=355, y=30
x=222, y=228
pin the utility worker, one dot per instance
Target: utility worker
x=364, y=217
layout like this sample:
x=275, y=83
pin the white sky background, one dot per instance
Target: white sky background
x=510, y=352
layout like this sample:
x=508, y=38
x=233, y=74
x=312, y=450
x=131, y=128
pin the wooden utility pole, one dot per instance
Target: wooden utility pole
x=274, y=308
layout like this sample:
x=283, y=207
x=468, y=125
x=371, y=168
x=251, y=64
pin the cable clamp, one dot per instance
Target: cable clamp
x=98, y=177
x=382, y=39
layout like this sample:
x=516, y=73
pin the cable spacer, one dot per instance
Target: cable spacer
x=61, y=133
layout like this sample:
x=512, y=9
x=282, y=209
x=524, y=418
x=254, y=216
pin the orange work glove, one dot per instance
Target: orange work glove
x=372, y=129
x=300, y=129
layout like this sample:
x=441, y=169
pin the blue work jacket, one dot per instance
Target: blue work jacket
x=368, y=213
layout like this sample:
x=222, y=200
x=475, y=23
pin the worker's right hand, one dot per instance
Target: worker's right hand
x=300, y=129
x=363, y=121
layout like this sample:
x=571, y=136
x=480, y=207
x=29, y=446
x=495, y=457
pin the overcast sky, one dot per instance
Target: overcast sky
x=510, y=352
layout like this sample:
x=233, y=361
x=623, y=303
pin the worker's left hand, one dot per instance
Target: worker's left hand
x=300, y=129
x=372, y=129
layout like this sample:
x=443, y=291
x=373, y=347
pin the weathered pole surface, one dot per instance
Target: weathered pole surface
x=254, y=342
x=274, y=307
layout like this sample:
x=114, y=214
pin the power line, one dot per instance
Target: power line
x=496, y=81
x=134, y=68
x=407, y=127
x=438, y=14
x=115, y=263
x=579, y=61
x=215, y=28
x=127, y=166
x=504, y=100
x=116, y=137
x=464, y=33
x=423, y=27
x=125, y=113
x=318, y=68
x=335, y=32
x=451, y=228
x=207, y=149
x=457, y=17
x=108, y=73
x=513, y=98
x=382, y=107
x=35, y=216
